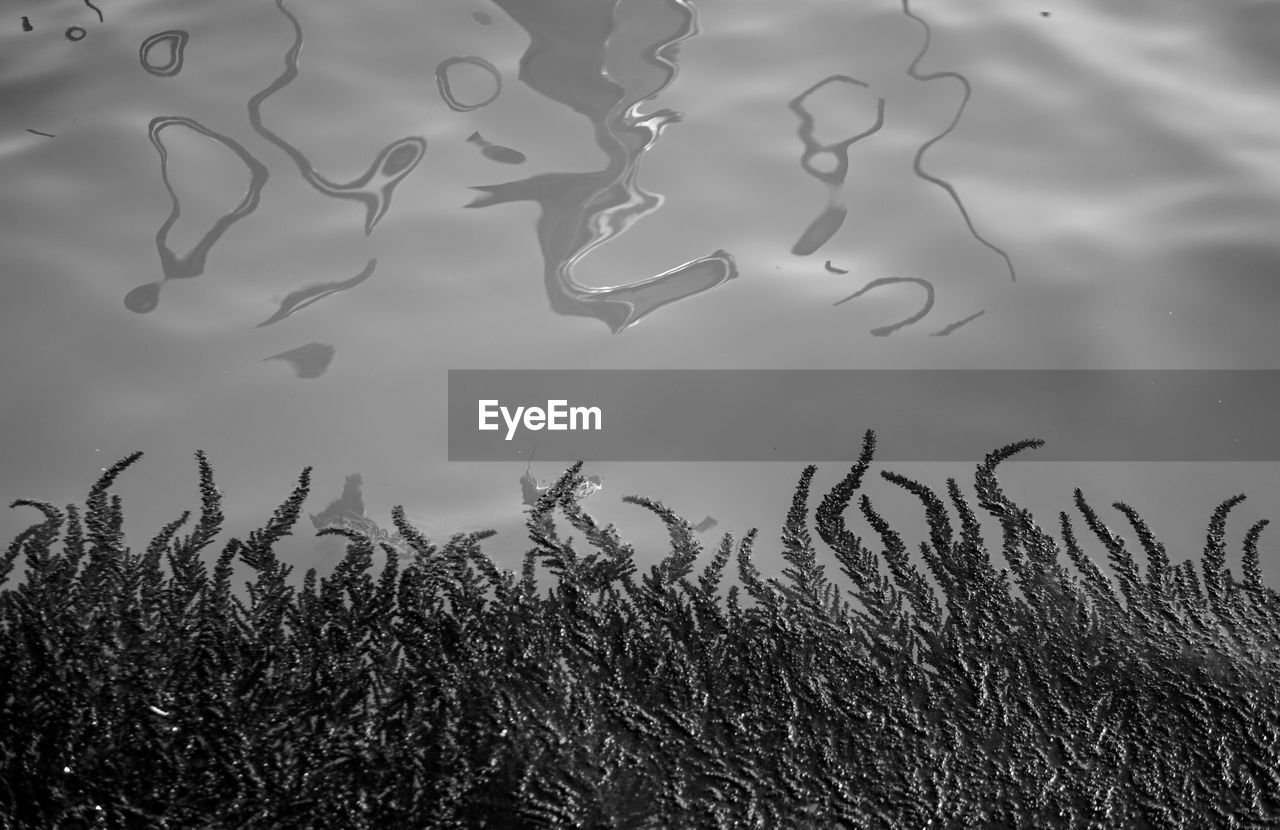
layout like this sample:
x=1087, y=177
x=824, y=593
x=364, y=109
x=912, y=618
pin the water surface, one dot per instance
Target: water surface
x=268, y=229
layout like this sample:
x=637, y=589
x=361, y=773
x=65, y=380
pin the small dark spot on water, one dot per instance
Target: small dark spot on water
x=820, y=230
x=482, y=18
x=309, y=361
x=75, y=33
x=496, y=152
x=503, y=155
x=143, y=299
x=1044, y=14
x=26, y=24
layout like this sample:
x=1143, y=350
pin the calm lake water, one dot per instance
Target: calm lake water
x=268, y=229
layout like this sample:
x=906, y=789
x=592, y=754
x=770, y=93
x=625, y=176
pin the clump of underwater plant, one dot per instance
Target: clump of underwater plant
x=140, y=690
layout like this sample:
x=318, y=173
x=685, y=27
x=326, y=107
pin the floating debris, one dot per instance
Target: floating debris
x=26, y=24
x=75, y=33
x=38, y=132
x=834, y=269
x=496, y=152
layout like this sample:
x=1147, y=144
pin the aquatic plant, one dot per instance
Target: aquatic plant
x=141, y=690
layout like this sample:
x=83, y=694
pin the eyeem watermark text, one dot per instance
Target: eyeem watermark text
x=558, y=415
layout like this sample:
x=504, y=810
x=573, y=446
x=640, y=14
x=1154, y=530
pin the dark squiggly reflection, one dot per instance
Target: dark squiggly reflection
x=829, y=221
x=375, y=187
x=885, y=331
x=820, y=230
x=945, y=331
x=919, y=159
x=303, y=297
x=446, y=90
x=566, y=62
x=89, y=4
x=309, y=361
x=496, y=152
x=176, y=40
x=145, y=298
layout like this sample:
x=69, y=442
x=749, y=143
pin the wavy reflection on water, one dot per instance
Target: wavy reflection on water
x=877, y=283
x=566, y=63
x=829, y=221
x=176, y=41
x=885, y=331
x=446, y=88
x=303, y=297
x=918, y=163
x=373, y=188
x=145, y=298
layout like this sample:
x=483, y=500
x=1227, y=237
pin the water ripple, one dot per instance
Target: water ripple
x=374, y=187
x=918, y=163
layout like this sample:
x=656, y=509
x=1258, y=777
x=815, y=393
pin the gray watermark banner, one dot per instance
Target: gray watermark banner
x=821, y=415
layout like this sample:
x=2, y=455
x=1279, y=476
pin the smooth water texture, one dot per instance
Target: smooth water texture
x=268, y=229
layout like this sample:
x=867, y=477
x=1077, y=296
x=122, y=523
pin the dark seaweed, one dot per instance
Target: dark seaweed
x=140, y=690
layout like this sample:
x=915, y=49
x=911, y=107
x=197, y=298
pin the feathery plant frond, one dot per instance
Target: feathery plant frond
x=1217, y=578
x=434, y=689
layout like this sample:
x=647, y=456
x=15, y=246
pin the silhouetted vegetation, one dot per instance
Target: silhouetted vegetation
x=140, y=690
